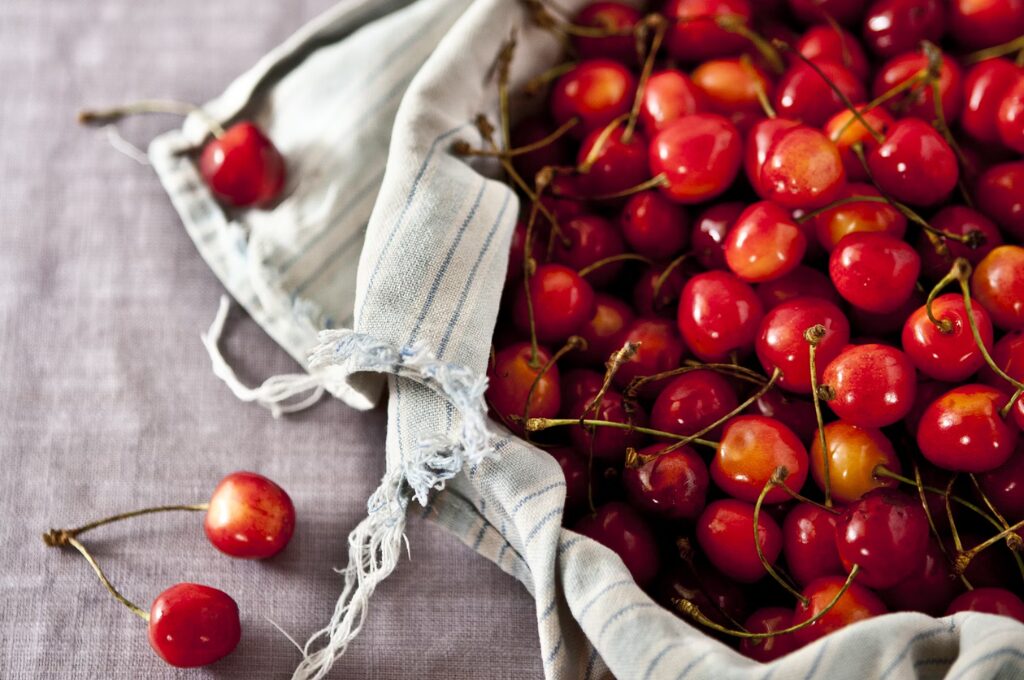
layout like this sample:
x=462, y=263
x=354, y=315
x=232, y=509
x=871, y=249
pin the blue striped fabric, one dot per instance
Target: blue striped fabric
x=383, y=225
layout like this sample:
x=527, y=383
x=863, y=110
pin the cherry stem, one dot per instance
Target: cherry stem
x=660, y=180
x=1015, y=544
x=945, y=326
x=778, y=478
x=663, y=277
x=762, y=96
x=727, y=369
x=535, y=84
x=612, y=366
x=537, y=424
x=882, y=471
x=101, y=117
x=544, y=18
x=692, y=610
x=996, y=51
x=574, y=342
x=934, y=56
x=660, y=26
x=463, y=148
x=132, y=607
x=602, y=139
x=612, y=259
x=964, y=557
x=814, y=335
x=529, y=267
x=58, y=537
x=734, y=23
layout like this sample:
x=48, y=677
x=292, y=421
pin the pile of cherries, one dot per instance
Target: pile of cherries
x=249, y=517
x=765, y=303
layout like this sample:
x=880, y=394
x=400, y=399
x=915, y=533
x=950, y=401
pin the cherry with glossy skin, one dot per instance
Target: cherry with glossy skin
x=976, y=25
x=725, y=532
x=616, y=164
x=929, y=588
x=692, y=401
x=768, y=620
x=605, y=331
x=668, y=96
x=997, y=601
x=242, y=167
x=764, y=243
x=249, y=516
x=802, y=169
x=578, y=384
x=562, y=303
x=845, y=132
x=654, y=226
x=1004, y=486
x=802, y=94
x=709, y=232
x=750, y=450
x=857, y=604
x=699, y=156
x=657, y=293
x=781, y=343
x=874, y=271
x=854, y=453
x=918, y=101
x=619, y=527
x=998, y=285
x=963, y=431
x=719, y=315
x=985, y=85
x=615, y=17
x=914, y=164
x=694, y=35
x=949, y=356
x=832, y=43
x=818, y=11
x=873, y=385
x=999, y=193
x=801, y=282
x=892, y=27
x=659, y=349
x=1010, y=117
x=510, y=378
x=809, y=543
x=958, y=220
x=759, y=139
x=672, y=485
x=796, y=414
x=590, y=239
x=596, y=91
x=858, y=217
x=731, y=88
x=1008, y=354
x=193, y=625
x=606, y=443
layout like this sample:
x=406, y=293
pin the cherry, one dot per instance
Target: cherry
x=781, y=343
x=718, y=315
x=694, y=34
x=854, y=453
x=989, y=568
x=659, y=349
x=963, y=431
x=950, y=356
x=985, y=86
x=751, y=449
x=832, y=43
x=809, y=543
x=511, y=377
x=725, y=532
x=997, y=601
x=893, y=27
x=768, y=620
x=709, y=232
x=606, y=443
x=998, y=284
x=874, y=271
x=873, y=385
x=605, y=330
x=802, y=169
x=249, y=516
x=764, y=243
x=590, y=239
x=802, y=94
x=693, y=401
x=615, y=164
x=914, y=164
x=731, y=88
x=699, y=156
x=193, y=625
x=983, y=24
x=918, y=100
x=817, y=11
x=242, y=167
x=1008, y=354
x=796, y=414
x=615, y=17
x=596, y=91
x=654, y=226
x=698, y=582
x=1010, y=117
x=558, y=201
x=857, y=217
x=1004, y=486
x=759, y=140
x=579, y=384
x=929, y=588
x=534, y=129
x=845, y=130
x=960, y=221
x=656, y=293
x=577, y=477
x=801, y=282
x=672, y=485
x=668, y=96
x=619, y=527
x=856, y=604
x=562, y=302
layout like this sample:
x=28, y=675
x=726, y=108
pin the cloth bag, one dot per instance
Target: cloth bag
x=382, y=230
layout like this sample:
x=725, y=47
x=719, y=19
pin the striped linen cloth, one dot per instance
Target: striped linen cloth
x=384, y=231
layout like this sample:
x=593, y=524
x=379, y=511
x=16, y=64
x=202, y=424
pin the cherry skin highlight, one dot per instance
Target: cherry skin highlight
x=802, y=169
x=672, y=485
x=512, y=375
x=829, y=43
x=1010, y=117
x=668, y=96
x=976, y=25
x=985, y=86
x=562, y=303
x=874, y=271
x=854, y=454
x=999, y=193
x=764, y=243
x=998, y=285
x=699, y=156
x=768, y=620
x=844, y=130
x=694, y=35
x=596, y=91
x=615, y=164
x=858, y=217
x=709, y=231
x=918, y=101
x=893, y=27
x=654, y=226
x=914, y=164
x=249, y=516
x=750, y=450
x=242, y=167
x=659, y=349
x=193, y=625
x=801, y=94
x=692, y=401
x=952, y=356
x=963, y=431
x=719, y=315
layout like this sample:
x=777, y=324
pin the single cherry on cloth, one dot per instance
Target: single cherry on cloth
x=719, y=315
x=668, y=96
x=698, y=155
x=587, y=240
x=768, y=620
x=618, y=19
x=1010, y=117
x=856, y=217
x=612, y=163
x=781, y=343
x=957, y=220
x=874, y=271
x=193, y=625
x=709, y=231
x=619, y=527
x=562, y=302
x=963, y=430
x=948, y=353
x=249, y=516
x=914, y=164
x=856, y=604
x=976, y=25
x=694, y=34
x=606, y=443
x=854, y=454
x=802, y=94
x=845, y=131
x=998, y=284
x=892, y=27
x=999, y=193
x=802, y=169
x=764, y=243
x=918, y=101
x=750, y=450
x=801, y=282
x=985, y=86
x=673, y=485
x=596, y=91
x=929, y=588
x=997, y=601
x=604, y=332
x=659, y=349
x=511, y=377
x=872, y=385
x=243, y=167
x=725, y=532
x=692, y=401
x=832, y=43
x=809, y=543
x=654, y=226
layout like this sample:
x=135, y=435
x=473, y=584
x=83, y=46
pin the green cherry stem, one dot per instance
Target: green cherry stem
x=537, y=424
x=131, y=606
x=574, y=342
x=778, y=478
x=814, y=335
x=660, y=26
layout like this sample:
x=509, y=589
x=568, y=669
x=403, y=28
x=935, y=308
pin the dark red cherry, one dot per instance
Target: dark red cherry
x=659, y=349
x=764, y=243
x=1008, y=354
x=801, y=282
x=249, y=516
x=694, y=34
x=781, y=343
x=874, y=271
x=959, y=220
x=558, y=199
x=672, y=485
x=654, y=226
x=512, y=375
x=874, y=385
x=698, y=155
x=963, y=431
x=242, y=167
x=606, y=443
x=605, y=331
x=801, y=94
x=999, y=193
x=854, y=453
x=845, y=130
x=796, y=414
x=856, y=604
x=998, y=284
x=718, y=598
x=725, y=532
x=580, y=383
x=518, y=246
x=809, y=543
x=950, y=356
x=692, y=401
x=193, y=625
x=997, y=601
x=985, y=85
x=709, y=231
x=759, y=139
x=615, y=164
x=590, y=239
x=719, y=315
x=802, y=169
x=1010, y=117
x=668, y=96
x=857, y=217
x=886, y=533
x=1004, y=486
x=929, y=588
x=619, y=527
x=914, y=164
x=529, y=131
x=577, y=476
x=750, y=450
x=819, y=11
x=893, y=27
x=562, y=303
x=983, y=24
x=656, y=292
x=596, y=91
x=618, y=19
x=832, y=43
x=918, y=101
x=768, y=620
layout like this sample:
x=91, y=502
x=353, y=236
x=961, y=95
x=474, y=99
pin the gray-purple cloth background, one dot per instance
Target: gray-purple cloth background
x=107, y=401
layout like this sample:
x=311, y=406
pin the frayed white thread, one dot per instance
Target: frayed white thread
x=375, y=545
x=123, y=146
x=274, y=390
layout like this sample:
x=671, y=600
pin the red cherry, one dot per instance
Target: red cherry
x=597, y=91
x=801, y=282
x=781, y=343
x=929, y=588
x=998, y=284
x=562, y=303
x=918, y=100
x=984, y=24
x=694, y=35
x=1008, y=354
x=750, y=450
x=605, y=331
x=819, y=11
x=617, y=526
x=673, y=485
x=719, y=315
x=985, y=86
x=534, y=129
x=844, y=133
x=510, y=378
x=874, y=385
x=893, y=27
x=654, y=226
x=616, y=165
x=709, y=232
x=874, y=271
x=193, y=625
x=699, y=156
x=577, y=477
x=249, y=516
x=856, y=604
x=914, y=164
x=958, y=220
x=692, y=401
x=764, y=243
x=809, y=543
x=886, y=533
x=731, y=87
x=659, y=349
x=698, y=582
x=657, y=293
x=832, y=43
x=989, y=601
x=725, y=532
x=802, y=169
x=858, y=217
x=963, y=431
x=796, y=414
x=243, y=167
x=668, y=96
x=1010, y=117
x=801, y=94
x=1004, y=486
x=606, y=443
x=854, y=453
x=579, y=384
x=768, y=620
x=759, y=139
x=590, y=239
x=952, y=356
x=615, y=17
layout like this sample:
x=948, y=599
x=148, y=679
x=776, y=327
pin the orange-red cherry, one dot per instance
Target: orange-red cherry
x=963, y=430
x=854, y=454
x=249, y=516
x=750, y=450
x=698, y=155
